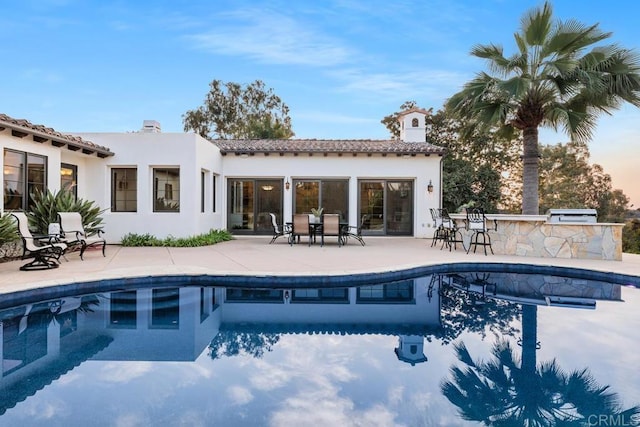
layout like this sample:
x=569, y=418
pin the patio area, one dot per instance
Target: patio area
x=254, y=256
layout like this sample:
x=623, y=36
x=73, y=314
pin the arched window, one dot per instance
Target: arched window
x=414, y=123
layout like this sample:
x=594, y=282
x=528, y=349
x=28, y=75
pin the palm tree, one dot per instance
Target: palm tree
x=505, y=392
x=557, y=78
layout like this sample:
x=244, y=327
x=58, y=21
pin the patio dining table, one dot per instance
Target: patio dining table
x=315, y=229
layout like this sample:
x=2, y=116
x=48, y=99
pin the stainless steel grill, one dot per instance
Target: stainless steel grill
x=557, y=216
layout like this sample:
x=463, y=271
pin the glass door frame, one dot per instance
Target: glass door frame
x=382, y=213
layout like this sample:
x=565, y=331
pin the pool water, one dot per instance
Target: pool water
x=457, y=349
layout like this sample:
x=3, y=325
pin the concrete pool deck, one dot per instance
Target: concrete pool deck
x=254, y=256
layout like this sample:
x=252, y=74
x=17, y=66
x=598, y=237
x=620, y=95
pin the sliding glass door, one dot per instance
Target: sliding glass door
x=249, y=203
x=386, y=207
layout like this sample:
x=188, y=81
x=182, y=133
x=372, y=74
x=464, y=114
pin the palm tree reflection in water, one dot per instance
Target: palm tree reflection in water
x=506, y=391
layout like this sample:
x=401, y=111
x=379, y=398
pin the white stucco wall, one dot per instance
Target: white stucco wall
x=146, y=151
x=420, y=169
x=193, y=155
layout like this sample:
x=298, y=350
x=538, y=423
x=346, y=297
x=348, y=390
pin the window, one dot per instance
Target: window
x=331, y=295
x=69, y=178
x=24, y=173
x=331, y=195
x=414, y=123
x=123, y=310
x=254, y=295
x=203, y=175
x=250, y=202
x=165, y=308
x=397, y=292
x=166, y=190
x=124, y=190
x=213, y=195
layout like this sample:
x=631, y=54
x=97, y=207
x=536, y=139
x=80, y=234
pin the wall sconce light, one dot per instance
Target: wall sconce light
x=286, y=295
x=430, y=187
x=287, y=185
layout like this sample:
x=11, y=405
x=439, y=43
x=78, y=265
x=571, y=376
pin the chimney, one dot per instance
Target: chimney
x=150, y=126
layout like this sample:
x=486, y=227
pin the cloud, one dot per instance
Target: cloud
x=239, y=395
x=271, y=37
x=432, y=84
x=124, y=372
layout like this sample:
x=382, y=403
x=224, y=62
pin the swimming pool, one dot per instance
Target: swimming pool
x=444, y=348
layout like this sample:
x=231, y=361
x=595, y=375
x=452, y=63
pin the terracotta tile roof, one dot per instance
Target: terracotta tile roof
x=358, y=146
x=40, y=133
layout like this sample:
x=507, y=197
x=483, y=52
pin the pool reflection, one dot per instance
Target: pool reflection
x=42, y=342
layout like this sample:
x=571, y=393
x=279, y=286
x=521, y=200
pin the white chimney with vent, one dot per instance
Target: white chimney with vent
x=413, y=125
x=150, y=126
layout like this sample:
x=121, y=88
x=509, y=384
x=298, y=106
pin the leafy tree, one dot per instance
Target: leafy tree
x=568, y=180
x=231, y=111
x=232, y=343
x=631, y=237
x=472, y=165
x=552, y=81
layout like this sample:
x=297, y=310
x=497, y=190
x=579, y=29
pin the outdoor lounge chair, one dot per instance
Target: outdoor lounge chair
x=277, y=231
x=300, y=228
x=45, y=255
x=331, y=227
x=72, y=232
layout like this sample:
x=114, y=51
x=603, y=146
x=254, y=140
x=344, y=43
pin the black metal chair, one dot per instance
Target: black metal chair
x=440, y=234
x=477, y=223
x=453, y=236
x=277, y=231
x=356, y=231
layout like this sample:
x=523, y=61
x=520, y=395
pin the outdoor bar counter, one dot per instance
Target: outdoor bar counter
x=535, y=235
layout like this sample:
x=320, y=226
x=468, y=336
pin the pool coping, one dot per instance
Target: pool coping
x=288, y=281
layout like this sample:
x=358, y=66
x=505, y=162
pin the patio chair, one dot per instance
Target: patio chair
x=45, y=256
x=356, y=231
x=300, y=228
x=477, y=224
x=331, y=227
x=277, y=231
x=440, y=232
x=452, y=233
x=73, y=233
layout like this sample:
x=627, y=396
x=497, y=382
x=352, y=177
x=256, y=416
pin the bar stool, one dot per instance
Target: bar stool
x=453, y=234
x=477, y=224
x=440, y=233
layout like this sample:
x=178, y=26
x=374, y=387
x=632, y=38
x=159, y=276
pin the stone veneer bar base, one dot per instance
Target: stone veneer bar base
x=532, y=235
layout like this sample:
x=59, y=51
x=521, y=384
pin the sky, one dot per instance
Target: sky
x=339, y=65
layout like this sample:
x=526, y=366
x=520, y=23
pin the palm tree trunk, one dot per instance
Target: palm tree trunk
x=529, y=338
x=530, y=202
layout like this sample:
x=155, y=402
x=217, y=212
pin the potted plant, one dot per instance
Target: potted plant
x=317, y=213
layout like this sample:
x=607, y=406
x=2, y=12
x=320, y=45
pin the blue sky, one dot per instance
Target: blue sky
x=340, y=66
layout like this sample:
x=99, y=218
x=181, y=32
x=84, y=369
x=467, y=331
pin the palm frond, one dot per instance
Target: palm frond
x=536, y=25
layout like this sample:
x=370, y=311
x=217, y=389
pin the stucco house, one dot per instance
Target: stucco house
x=181, y=184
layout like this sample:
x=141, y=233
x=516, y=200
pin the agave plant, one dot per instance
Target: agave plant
x=8, y=230
x=46, y=206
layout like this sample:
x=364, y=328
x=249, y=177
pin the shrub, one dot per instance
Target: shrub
x=210, y=238
x=631, y=237
x=46, y=206
x=8, y=229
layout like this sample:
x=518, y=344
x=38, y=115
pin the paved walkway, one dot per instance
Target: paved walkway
x=254, y=256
